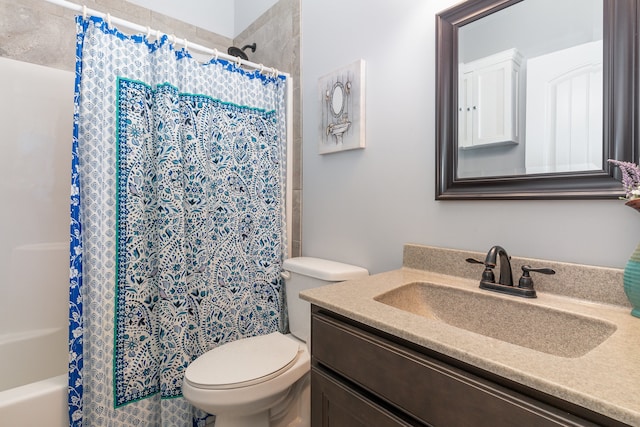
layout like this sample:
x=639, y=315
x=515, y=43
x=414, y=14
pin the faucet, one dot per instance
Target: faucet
x=506, y=278
x=505, y=282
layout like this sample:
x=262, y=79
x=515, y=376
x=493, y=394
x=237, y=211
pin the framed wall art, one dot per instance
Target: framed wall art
x=343, y=109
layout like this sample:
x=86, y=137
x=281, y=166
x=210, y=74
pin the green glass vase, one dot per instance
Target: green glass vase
x=631, y=278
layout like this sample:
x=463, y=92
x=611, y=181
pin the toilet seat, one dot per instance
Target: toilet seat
x=243, y=362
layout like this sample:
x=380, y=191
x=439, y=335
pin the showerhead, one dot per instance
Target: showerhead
x=236, y=51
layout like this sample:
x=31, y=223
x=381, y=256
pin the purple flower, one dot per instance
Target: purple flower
x=630, y=178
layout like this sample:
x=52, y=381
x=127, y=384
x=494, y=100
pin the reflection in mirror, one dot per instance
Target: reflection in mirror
x=530, y=90
x=337, y=99
x=533, y=96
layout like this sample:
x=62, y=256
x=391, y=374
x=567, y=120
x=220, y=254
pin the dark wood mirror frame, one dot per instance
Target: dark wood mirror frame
x=620, y=112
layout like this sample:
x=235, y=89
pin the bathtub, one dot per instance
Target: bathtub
x=35, y=171
x=33, y=379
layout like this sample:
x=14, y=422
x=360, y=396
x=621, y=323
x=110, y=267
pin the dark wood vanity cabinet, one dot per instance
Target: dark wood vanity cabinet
x=363, y=377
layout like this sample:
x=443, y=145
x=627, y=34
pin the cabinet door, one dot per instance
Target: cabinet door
x=465, y=111
x=335, y=405
x=494, y=104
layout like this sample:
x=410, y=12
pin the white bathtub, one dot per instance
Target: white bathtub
x=36, y=120
x=33, y=379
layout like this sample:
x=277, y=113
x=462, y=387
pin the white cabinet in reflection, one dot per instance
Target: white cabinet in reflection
x=488, y=104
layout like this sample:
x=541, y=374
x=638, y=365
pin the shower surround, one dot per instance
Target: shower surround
x=37, y=32
x=36, y=121
x=42, y=33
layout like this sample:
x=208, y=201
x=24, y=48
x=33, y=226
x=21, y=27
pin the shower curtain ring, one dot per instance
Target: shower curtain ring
x=215, y=54
x=148, y=32
x=186, y=44
x=108, y=19
x=84, y=11
x=261, y=68
x=238, y=61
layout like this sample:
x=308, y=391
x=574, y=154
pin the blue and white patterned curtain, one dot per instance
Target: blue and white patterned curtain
x=177, y=221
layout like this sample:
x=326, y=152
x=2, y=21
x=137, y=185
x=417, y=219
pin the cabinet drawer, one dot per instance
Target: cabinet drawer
x=334, y=404
x=424, y=388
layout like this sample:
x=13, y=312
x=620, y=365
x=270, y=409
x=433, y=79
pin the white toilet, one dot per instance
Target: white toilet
x=256, y=382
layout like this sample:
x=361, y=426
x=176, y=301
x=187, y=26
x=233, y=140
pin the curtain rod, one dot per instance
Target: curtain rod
x=84, y=10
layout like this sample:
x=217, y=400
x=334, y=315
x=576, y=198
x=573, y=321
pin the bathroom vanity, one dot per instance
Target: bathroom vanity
x=416, y=346
x=362, y=376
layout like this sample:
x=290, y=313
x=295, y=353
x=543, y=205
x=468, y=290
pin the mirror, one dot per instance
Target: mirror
x=337, y=99
x=495, y=135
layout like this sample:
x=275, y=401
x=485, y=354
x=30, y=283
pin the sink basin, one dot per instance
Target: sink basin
x=540, y=328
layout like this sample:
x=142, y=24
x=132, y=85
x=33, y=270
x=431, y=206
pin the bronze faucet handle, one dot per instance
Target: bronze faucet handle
x=487, y=274
x=526, y=281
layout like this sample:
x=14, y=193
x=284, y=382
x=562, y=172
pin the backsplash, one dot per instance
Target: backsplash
x=591, y=283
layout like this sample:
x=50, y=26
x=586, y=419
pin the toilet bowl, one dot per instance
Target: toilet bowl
x=243, y=382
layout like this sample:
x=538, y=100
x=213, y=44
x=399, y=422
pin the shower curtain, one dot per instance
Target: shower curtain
x=177, y=221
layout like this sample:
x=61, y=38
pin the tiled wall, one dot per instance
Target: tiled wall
x=277, y=37
x=39, y=32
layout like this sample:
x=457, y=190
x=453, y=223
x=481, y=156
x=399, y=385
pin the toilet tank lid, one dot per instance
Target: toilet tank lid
x=323, y=269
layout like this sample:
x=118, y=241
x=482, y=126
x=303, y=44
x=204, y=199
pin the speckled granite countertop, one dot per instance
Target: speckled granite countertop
x=605, y=379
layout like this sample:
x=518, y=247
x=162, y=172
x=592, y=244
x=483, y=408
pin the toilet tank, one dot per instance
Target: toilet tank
x=304, y=273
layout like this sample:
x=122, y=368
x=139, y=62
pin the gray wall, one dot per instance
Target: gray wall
x=361, y=206
x=530, y=28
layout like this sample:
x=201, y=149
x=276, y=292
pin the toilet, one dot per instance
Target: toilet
x=263, y=381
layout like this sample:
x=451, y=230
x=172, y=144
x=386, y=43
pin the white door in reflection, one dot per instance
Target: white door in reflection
x=564, y=110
